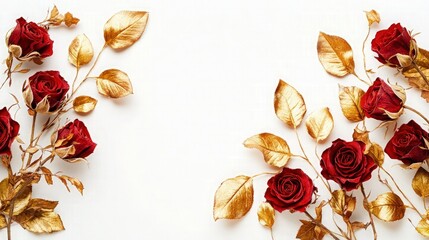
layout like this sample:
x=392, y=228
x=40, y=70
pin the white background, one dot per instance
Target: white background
x=204, y=75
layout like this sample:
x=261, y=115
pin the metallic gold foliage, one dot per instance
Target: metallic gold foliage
x=310, y=231
x=335, y=55
x=3, y=222
x=376, y=153
x=320, y=124
x=233, y=198
x=372, y=17
x=361, y=135
x=415, y=79
x=114, y=83
x=350, y=103
x=266, y=215
x=387, y=207
x=275, y=150
x=289, y=104
x=423, y=227
x=40, y=220
x=342, y=204
x=55, y=18
x=84, y=104
x=420, y=182
x=125, y=28
x=80, y=51
x=70, y=20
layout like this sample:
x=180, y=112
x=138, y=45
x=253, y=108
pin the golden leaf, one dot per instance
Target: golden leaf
x=350, y=103
x=80, y=51
x=5, y=190
x=414, y=77
x=275, y=150
x=74, y=181
x=387, y=207
x=42, y=204
x=372, y=17
x=342, y=204
x=376, y=153
x=335, y=55
x=320, y=124
x=48, y=175
x=266, y=215
x=55, y=17
x=233, y=198
x=125, y=28
x=420, y=183
x=289, y=104
x=84, y=104
x=40, y=221
x=114, y=83
x=310, y=231
x=423, y=227
x=70, y=20
x=363, y=136
x=3, y=222
x=22, y=200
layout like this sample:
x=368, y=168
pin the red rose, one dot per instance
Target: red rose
x=346, y=164
x=8, y=131
x=291, y=190
x=74, y=141
x=33, y=40
x=408, y=144
x=388, y=43
x=382, y=102
x=45, y=91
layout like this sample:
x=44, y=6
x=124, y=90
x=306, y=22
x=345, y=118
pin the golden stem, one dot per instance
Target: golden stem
x=75, y=77
x=417, y=112
x=350, y=228
x=272, y=234
x=403, y=194
x=33, y=128
x=420, y=72
x=264, y=173
x=360, y=79
x=369, y=212
x=322, y=226
x=363, y=53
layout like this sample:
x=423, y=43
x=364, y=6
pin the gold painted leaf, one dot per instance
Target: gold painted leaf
x=3, y=222
x=5, y=190
x=84, y=104
x=376, y=153
x=80, y=51
x=310, y=231
x=22, y=200
x=320, y=124
x=266, y=215
x=125, y=28
x=388, y=207
x=275, y=150
x=39, y=221
x=414, y=77
x=233, y=198
x=41, y=204
x=335, y=55
x=289, y=104
x=423, y=227
x=350, y=103
x=420, y=183
x=342, y=204
x=372, y=17
x=114, y=83
x=70, y=20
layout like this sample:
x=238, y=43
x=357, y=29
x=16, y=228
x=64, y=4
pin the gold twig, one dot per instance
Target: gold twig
x=322, y=226
x=365, y=199
x=417, y=112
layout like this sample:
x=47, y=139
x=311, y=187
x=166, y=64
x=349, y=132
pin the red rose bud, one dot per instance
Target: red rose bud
x=291, y=189
x=408, y=144
x=383, y=102
x=8, y=131
x=394, y=46
x=74, y=141
x=346, y=164
x=29, y=40
x=45, y=91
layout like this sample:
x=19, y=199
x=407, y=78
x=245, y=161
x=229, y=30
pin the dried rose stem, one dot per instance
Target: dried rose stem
x=363, y=53
x=33, y=128
x=365, y=197
x=417, y=112
x=318, y=223
x=402, y=193
x=272, y=234
x=305, y=157
x=420, y=72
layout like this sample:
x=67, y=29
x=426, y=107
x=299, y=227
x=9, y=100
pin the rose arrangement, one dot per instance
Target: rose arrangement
x=347, y=164
x=48, y=96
